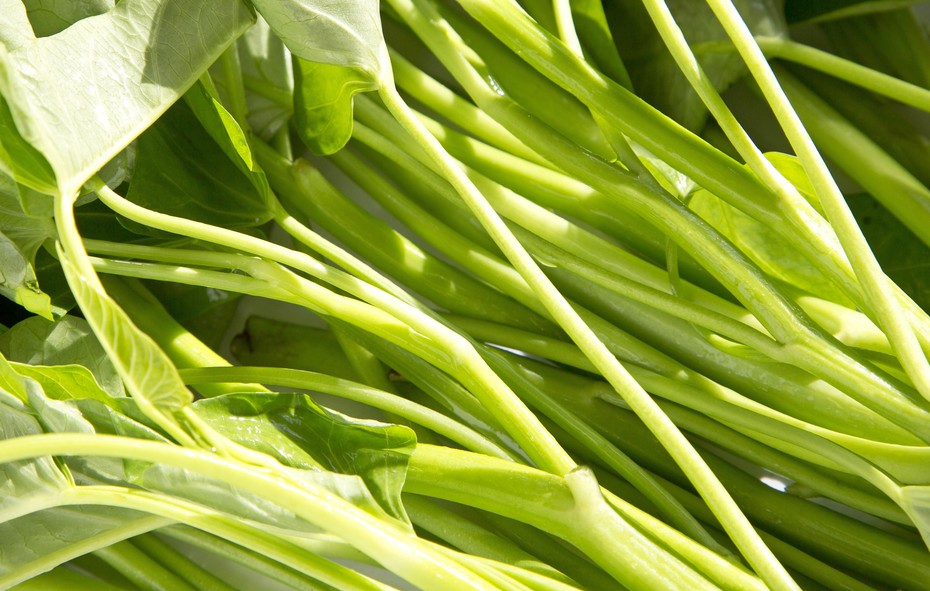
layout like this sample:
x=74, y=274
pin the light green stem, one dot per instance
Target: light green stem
x=868, y=78
x=880, y=292
x=461, y=358
x=704, y=480
x=383, y=541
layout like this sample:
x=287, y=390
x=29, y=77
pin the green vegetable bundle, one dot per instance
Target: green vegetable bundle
x=464, y=294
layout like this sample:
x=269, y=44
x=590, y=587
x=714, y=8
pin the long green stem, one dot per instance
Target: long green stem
x=140, y=568
x=461, y=358
x=667, y=433
x=868, y=78
x=383, y=541
x=783, y=320
x=878, y=288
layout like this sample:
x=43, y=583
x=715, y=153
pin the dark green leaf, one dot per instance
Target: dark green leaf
x=266, y=342
x=323, y=103
x=181, y=170
x=222, y=127
x=903, y=256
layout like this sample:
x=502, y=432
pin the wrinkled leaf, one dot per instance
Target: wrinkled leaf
x=67, y=341
x=323, y=103
x=301, y=434
x=80, y=103
x=181, y=170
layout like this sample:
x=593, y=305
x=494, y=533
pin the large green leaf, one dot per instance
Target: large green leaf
x=342, y=53
x=301, y=434
x=80, y=103
x=181, y=170
x=68, y=341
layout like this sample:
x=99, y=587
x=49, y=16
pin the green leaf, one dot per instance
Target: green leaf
x=902, y=255
x=21, y=236
x=301, y=434
x=344, y=34
x=323, y=103
x=268, y=76
x=181, y=170
x=763, y=246
x=886, y=36
x=65, y=342
x=53, y=16
x=222, y=127
x=19, y=159
x=19, y=480
x=654, y=73
x=80, y=103
x=63, y=382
